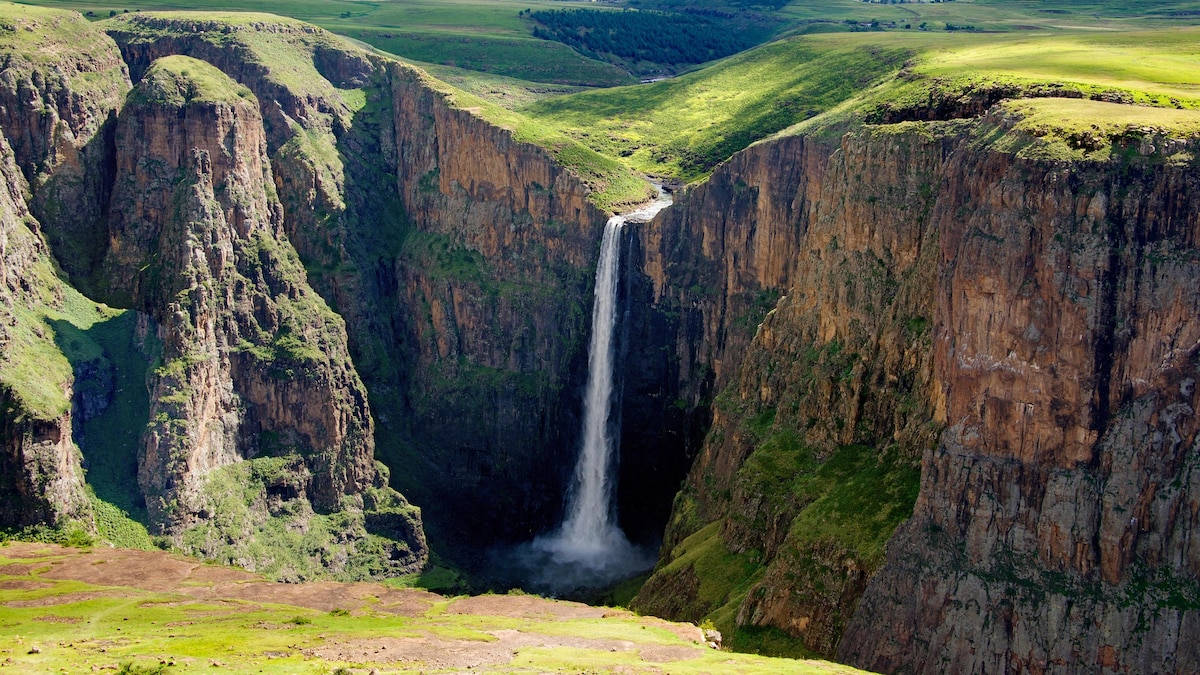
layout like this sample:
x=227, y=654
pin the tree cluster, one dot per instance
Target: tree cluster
x=642, y=35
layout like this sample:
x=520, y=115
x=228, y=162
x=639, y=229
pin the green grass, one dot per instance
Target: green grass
x=685, y=126
x=107, y=626
x=482, y=34
x=51, y=38
x=1078, y=129
x=58, y=332
x=180, y=80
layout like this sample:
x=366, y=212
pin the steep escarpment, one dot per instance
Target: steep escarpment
x=42, y=478
x=497, y=280
x=250, y=437
x=61, y=83
x=829, y=394
x=459, y=256
x=1054, y=521
x=1020, y=326
x=254, y=366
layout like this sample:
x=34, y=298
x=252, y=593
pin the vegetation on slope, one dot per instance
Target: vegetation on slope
x=484, y=35
x=685, y=126
x=828, y=83
x=645, y=41
x=1152, y=75
x=179, y=80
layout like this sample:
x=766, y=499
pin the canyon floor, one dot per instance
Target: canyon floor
x=94, y=609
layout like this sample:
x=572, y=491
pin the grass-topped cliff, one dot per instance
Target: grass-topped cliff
x=829, y=83
x=178, y=80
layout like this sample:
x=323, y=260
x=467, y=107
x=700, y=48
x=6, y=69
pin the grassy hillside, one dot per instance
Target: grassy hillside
x=150, y=612
x=685, y=126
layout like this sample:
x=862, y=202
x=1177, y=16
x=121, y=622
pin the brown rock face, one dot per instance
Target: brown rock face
x=57, y=103
x=1042, y=314
x=495, y=279
x=249, y=351
x=459, y=257
x=833, y=388
x=1052, y=527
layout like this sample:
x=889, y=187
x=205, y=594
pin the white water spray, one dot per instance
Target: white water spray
x=589, y=549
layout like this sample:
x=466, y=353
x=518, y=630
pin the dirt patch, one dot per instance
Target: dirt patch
x=684, y=631
x=161, y=572
x=665, y=653
x=437, y=653
x=27, y=549
x=63, y=599
x=22, y=585
x=327, y=596
x=524, y=607
x=51, y=618
x=16, y=569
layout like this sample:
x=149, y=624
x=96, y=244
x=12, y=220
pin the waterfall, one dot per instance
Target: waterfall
x=589, y=549
x=589, y=523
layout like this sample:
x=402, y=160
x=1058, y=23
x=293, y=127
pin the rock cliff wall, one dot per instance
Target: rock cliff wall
x=1053, y=527
x=829, y=393
x=460, y=257
x=1040, y=312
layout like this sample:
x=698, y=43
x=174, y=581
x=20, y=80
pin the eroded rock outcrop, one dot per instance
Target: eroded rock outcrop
x=830, y=393
x=1054, y=524
x=254, y=364
x=61, y=83
x=460, y=258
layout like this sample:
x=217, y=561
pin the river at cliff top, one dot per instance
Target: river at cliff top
x=589, y=550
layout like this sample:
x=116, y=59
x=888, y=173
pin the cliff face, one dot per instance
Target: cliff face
x=253, y=364
x=495, y=279
x=259, y=443
x=829, y=394
x=57, y=103
x=1053, y=524
x=459, y=257
x=42, y=479
x=1041, y=313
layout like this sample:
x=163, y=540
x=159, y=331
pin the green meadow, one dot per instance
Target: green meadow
x=482, y=35
x=151, y=612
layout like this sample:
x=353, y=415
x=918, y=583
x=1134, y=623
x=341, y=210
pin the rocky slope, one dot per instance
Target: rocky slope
x=830, y=394
x=43, y=480
x=459, y=257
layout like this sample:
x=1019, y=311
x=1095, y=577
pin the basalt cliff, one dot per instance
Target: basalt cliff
x=994, y=351
x=907, y=395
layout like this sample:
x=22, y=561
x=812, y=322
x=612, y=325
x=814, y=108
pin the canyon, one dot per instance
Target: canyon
x=903, y=393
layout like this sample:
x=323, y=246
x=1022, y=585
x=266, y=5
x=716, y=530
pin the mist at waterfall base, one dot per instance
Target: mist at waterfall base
x=589, y=550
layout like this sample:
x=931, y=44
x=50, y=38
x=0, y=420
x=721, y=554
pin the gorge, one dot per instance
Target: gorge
x=909, y=384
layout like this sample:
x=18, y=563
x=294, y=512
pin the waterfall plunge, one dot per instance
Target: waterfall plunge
x=589, y=549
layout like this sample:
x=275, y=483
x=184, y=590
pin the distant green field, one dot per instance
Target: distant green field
x=685, y=126
x=485, y=35
x=489, y=36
